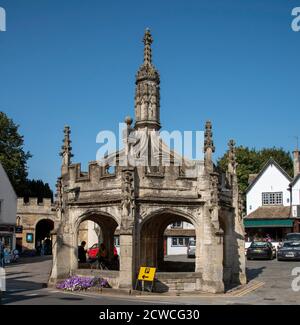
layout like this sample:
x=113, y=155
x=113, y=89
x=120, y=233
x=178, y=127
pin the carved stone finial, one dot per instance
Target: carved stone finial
x=66, y=149
x=209, y=148
x=232, y=156
x=208, y=137
x=128, y=120
x=148, y=40
x=58, y=194
x=147, y=94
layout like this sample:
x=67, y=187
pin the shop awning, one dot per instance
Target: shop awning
x=268, y=223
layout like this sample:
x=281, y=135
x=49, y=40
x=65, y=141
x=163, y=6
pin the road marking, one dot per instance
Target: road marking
x=31, y=295
x=249, y=289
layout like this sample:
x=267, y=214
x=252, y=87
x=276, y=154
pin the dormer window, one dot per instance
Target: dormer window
x=272, y=198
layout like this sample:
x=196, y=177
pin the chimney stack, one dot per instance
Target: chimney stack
x=296, y=163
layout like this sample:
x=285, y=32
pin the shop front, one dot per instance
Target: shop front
x=271, y=229
x=7, y=236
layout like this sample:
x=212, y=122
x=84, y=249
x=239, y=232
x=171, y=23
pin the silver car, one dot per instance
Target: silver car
x=191, y=250
x=290, y=250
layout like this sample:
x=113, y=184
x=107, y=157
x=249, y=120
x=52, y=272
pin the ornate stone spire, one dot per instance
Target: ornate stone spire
x=147, y=95
x=208, y=137
x=148, y=40
x=66, y=149
x=209, y=147
x=232, y=164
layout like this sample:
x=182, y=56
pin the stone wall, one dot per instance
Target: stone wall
x=28, y=215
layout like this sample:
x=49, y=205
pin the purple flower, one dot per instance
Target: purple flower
x=76, y=283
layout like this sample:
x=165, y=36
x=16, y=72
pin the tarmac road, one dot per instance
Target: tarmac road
x=270, y=283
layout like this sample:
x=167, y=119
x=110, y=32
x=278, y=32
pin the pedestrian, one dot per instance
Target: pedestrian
x=102, y=255
x=47, y=246
x=268, y=238
x=82, y=253
x=7, y=255
x=43, y=248
x=116, y=261
x=1, y=254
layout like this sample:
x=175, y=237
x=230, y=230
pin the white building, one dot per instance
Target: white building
x=273, y=201
x=177, y=236
x=8, y=211
x=270, y=187
x=295, y=186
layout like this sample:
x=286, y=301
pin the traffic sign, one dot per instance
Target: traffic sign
x=147, y=273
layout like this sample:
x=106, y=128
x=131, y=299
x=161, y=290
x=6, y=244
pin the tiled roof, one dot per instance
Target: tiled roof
x=180, y=232
x=271, y=161
x=270, y=212
x=172, y=232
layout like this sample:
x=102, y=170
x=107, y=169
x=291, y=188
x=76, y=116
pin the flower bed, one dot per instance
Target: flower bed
x=77, y=283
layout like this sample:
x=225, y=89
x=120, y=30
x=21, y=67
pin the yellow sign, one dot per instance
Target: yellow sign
x=147, y=273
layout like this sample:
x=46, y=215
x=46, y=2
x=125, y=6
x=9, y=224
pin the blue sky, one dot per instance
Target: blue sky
x=235, y=62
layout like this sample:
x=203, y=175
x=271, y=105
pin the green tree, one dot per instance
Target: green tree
x=14, y=160
x=12, y=155
x=251, y=161
x=281, y=156
x=38, y=189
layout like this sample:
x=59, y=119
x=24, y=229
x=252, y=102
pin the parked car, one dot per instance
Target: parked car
x=292, y=236
x=94, y=250
x=290, y=250
x=191, y=249
x=260, y=250
x=275, y=246
x=247, y=245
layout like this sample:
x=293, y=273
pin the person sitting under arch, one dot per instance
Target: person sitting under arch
x=82, y=253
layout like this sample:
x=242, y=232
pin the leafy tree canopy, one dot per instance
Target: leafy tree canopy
x=14, y=159
x=251, y=161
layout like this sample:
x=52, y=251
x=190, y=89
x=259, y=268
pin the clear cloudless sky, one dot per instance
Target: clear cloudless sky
x=234, y=62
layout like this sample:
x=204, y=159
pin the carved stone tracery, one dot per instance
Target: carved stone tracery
x=128, y=201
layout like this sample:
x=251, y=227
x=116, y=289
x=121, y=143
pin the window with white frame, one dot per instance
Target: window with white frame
x=177, y=224
x=272, y=198
x=180, y=241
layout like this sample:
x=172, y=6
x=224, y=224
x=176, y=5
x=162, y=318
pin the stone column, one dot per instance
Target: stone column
x=213, y=270
x=212, y=276
x=127, y=270
x=127, y=229
x=199, y=262
x=239, y=265
x=63, y=263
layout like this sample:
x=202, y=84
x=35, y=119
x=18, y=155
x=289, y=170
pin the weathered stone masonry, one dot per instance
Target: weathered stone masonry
x=143, y=201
